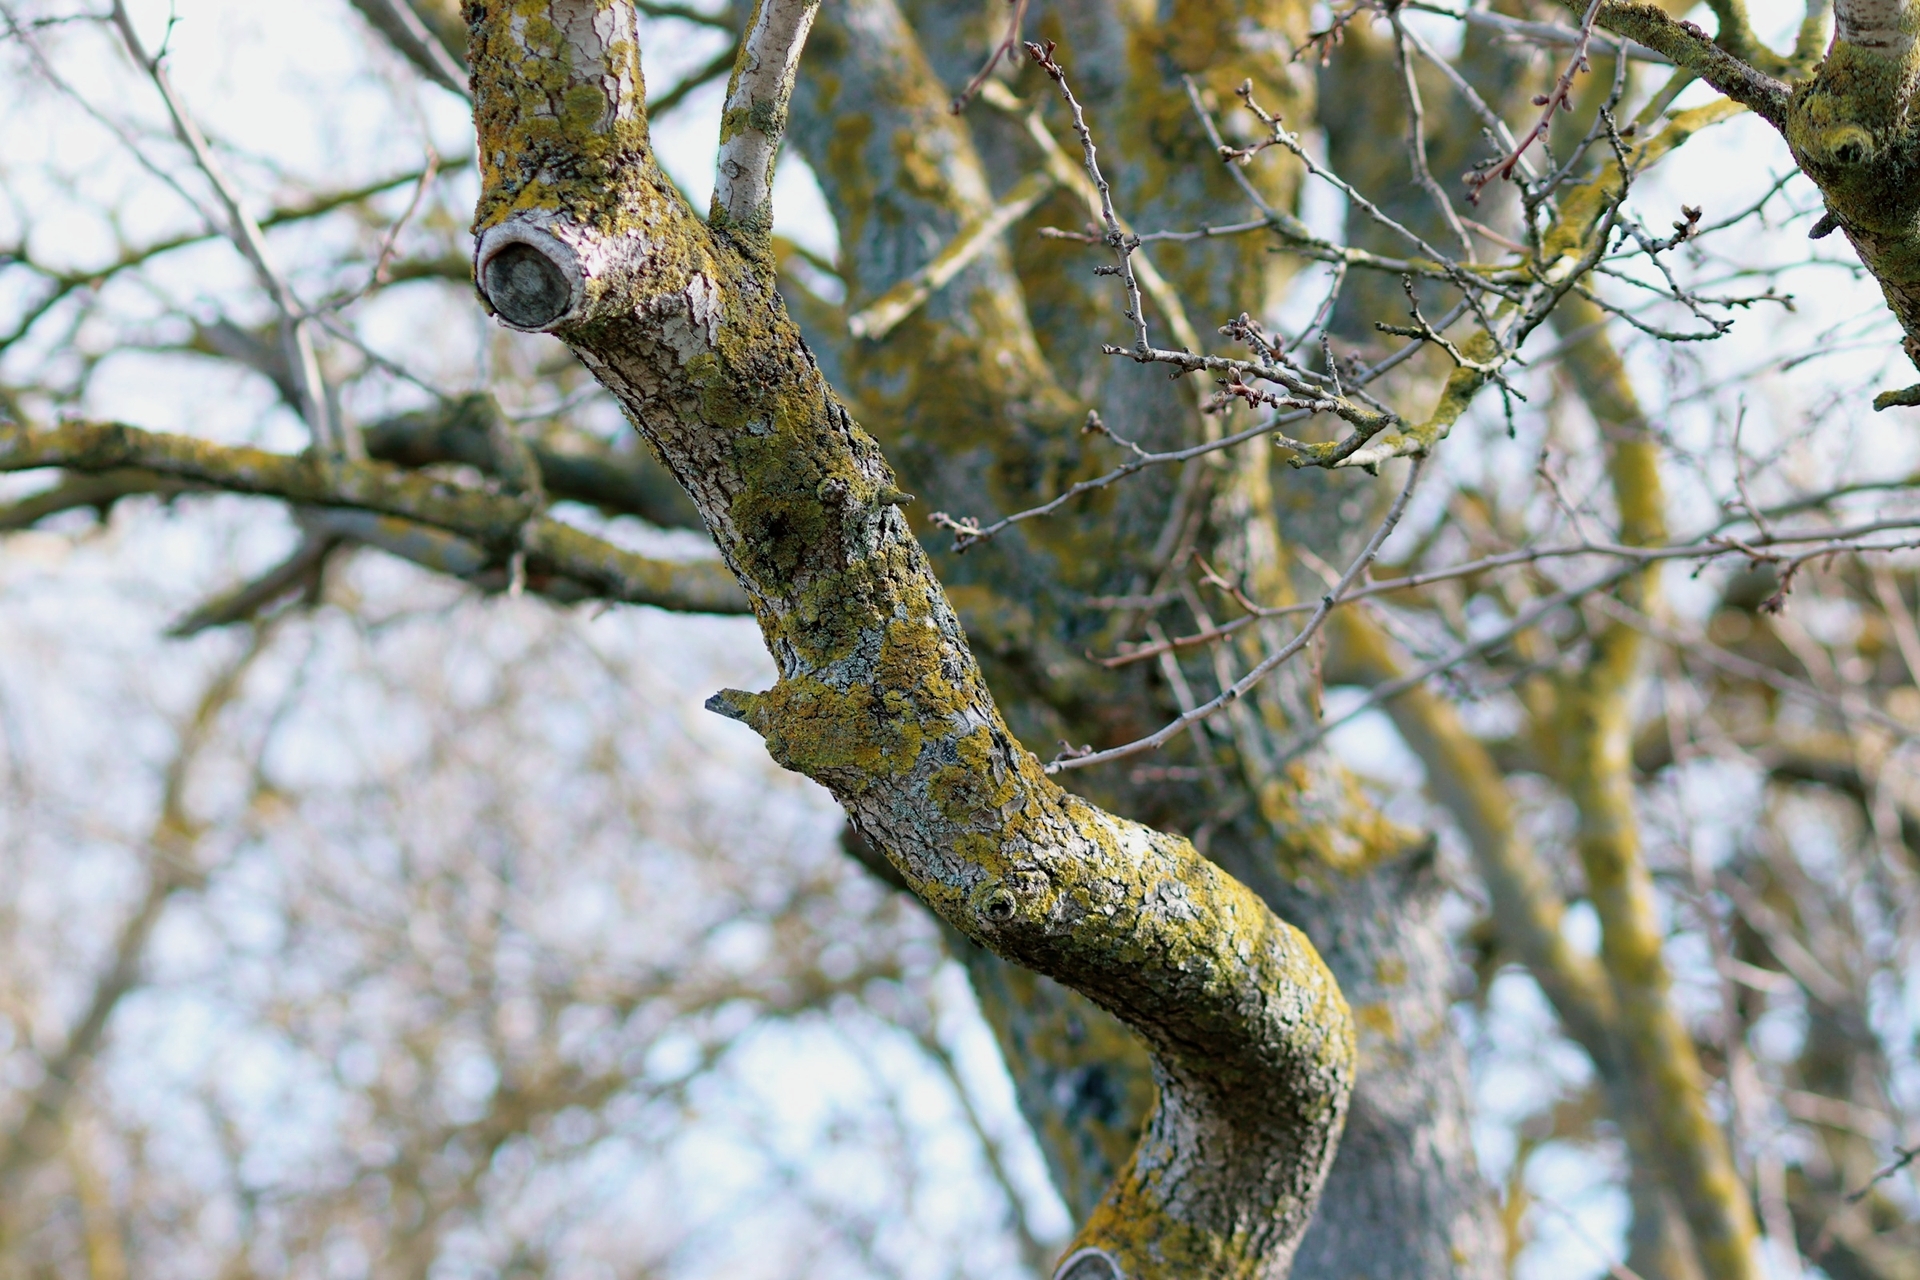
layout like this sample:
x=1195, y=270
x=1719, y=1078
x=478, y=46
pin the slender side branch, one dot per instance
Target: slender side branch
x=1595, y=726
x=881, y=316
x=755, y=117
x=1118, y=238
x=403, y=29
x=1267, y=665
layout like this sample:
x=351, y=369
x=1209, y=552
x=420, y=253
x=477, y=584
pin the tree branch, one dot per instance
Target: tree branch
x=1527, y=910
x=295, y=326
x=411, y=37
x=755, y=117
x=879, y=696
x=497, y=524
x=1596, y=725
x=1686, y=45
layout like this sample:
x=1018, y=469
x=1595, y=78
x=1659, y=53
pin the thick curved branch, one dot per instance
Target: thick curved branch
x=1085, y=1084
x=496, y=524
x=879, y=697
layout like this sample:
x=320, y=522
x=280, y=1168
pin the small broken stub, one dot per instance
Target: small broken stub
x=1088, y=1264
x=530, y=278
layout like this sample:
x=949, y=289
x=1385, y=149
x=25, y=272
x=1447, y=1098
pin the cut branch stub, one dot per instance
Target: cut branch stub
x=879, y=697
x=527, y=289
x=529, y=277
x=1088, y=1264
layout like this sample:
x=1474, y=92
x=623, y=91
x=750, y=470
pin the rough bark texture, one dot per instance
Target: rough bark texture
x=879, y=697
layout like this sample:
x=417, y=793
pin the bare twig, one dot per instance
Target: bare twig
x=1265, y=667
x=1015, y=17
x=296, y=330
x=1117, y=237
x=1560, y=96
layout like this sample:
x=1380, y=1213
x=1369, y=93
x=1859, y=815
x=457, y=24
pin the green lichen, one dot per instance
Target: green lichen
x=551, y=139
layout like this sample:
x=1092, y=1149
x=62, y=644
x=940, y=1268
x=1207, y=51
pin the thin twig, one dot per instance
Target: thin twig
x=1007, y=42
x=1551, y=102
x=1268, y=664
x=295, y=328
x=1117, y=237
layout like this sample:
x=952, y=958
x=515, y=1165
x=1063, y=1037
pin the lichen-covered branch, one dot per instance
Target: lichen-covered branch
x=618, y=482
x=1686, y=45
x=1527, y=914
x=971, y=414
x=879, y=697
x=495, y=524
